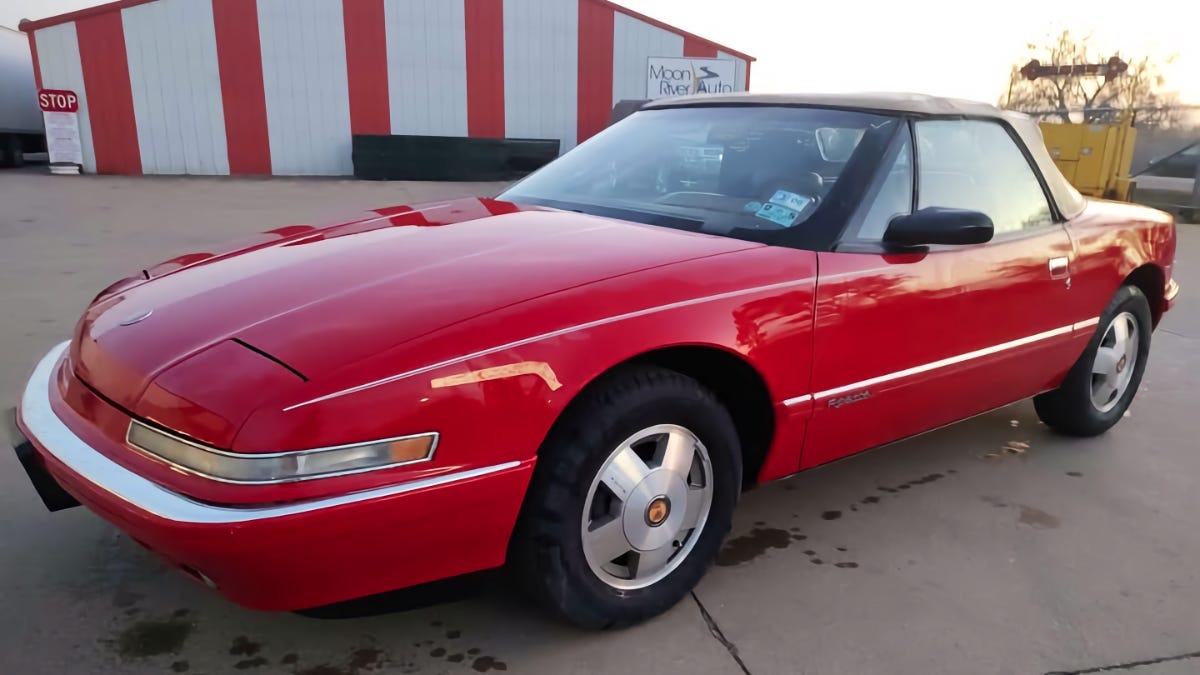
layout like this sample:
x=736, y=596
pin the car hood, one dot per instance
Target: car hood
x=317, y=299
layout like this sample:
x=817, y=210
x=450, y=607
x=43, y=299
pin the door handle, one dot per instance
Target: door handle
x=1059, y=268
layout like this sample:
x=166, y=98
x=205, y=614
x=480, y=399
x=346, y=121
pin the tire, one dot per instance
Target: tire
x=1083, y=405
x=10, y=151
x=571, y=573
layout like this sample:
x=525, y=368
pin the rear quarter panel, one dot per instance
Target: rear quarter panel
x=1113, y=239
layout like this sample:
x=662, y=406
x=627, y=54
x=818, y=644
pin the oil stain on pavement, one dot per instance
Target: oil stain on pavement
x=363, y=660
x=453, y=652
x=153, y=637
x=1037, y=518
x=761, y=539
x=749, y=546
x=242, y=646
x=1028, y=515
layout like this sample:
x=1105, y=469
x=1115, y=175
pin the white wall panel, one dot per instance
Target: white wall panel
x=634, y=42
x=541, y=69
x=58, y=56
x=427, y=66
x=740, y=70
x=304, y=78
x=172, y=50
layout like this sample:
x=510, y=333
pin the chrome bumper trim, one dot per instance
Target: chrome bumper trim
x=49, y=433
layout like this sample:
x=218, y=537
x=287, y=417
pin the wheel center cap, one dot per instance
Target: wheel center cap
x=1121, y=365
x=658, y=510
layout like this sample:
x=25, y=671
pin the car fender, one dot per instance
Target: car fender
x=493, y=386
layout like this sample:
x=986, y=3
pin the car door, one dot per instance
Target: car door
x=908, y=341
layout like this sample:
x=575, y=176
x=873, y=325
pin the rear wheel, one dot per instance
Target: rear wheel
x=1100, y=386
x=632, y=496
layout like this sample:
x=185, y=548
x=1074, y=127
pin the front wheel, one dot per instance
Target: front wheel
x=633, y=493
x=1100, y=386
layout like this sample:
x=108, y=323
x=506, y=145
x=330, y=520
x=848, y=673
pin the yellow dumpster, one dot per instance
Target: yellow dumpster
x=1095, y=158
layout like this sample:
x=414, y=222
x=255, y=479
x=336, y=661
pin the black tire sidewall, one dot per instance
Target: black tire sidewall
x=1075, y=395
x=601, y=427
x=726, y=484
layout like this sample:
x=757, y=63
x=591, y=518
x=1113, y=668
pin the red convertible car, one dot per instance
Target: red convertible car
x=580, y=376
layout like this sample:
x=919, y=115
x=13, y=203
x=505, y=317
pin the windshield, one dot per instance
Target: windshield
x=747, y=172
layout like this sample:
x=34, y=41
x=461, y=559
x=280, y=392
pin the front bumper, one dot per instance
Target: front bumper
x=280, y=556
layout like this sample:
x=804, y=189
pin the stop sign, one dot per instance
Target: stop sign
x=58, y=100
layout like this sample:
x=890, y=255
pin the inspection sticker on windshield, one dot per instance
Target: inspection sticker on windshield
x=791, y=200
x=780, y=215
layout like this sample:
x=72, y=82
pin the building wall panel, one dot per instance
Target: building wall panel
x=595, y=67
x=305, y=80
x=427, y=66
x=485, y=68
x=740, y=70
x=60, y=68
x=280, y=86
x=105, y=67
x=541, y=67
x=366, y=66
x=634, y=42
x=698, y=48
x=176, y=86
x=239, y=57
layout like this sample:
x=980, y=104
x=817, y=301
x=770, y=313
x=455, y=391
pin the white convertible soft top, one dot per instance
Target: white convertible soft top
x=1066, y=197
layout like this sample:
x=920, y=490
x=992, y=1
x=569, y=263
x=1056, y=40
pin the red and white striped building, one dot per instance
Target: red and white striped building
x=279, y=86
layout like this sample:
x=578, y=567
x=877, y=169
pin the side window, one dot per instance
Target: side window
x=893, y=199
x=972, y=164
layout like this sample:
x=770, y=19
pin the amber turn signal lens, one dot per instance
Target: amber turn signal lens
x=410, y=449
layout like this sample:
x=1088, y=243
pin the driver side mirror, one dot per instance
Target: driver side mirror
x=937, y=225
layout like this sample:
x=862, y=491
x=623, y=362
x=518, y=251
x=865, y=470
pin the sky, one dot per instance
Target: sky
x=960, y=48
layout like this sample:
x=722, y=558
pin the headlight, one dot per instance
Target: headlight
x=279, y=467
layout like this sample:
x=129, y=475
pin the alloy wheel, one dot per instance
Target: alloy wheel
x=1114, y=364
x=647, y=506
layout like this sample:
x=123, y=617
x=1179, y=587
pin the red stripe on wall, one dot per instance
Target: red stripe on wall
x=747, y=82
x=109, y=94
x=239, y=60
x=698, y=48
x=594, y=85
x=37, y=66
x=484, y=29
x=366, y=66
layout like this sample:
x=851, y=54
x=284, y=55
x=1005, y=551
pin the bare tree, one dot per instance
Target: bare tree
x=1093, y=99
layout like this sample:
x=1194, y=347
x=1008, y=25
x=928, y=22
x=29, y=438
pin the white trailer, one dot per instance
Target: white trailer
x=21, y=127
